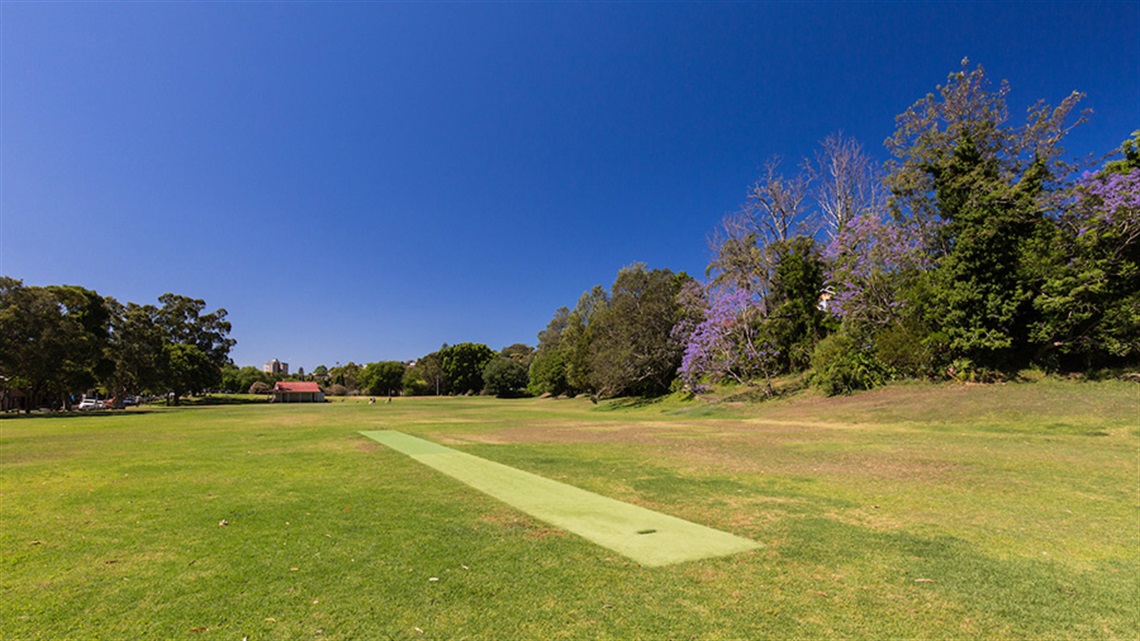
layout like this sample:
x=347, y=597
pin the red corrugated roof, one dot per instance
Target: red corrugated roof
x=290, y=386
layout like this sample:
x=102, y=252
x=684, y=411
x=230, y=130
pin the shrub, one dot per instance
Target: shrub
x=903, y=352
x=964, y=370
x=841, y=366
x=259, y=388
x=336, y=389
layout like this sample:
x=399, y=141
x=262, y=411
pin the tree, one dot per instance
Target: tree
x=924, y=187
x=88, y=316
x=548, y=374
x=425, y=377
x=259, y=388
x=746, y=244
x=34, y=338
x=775, y=204
x=197, y=347
x=463, y=366
x=578, y=338
x=231, y=380
x=518, y=352
x=548, y=367
x=385, y=377
x=847, y=184
x=1089, y=302
x=136, y=348
x=347, y=375
x=878, y=277
x=505, y=377
x=728, y=342
x=796, y=319
x=189, y=370
x=239, y=380
x=633, y=351
x=53, y=339
x=870, y=263
x=64, y=339
x=979, y=191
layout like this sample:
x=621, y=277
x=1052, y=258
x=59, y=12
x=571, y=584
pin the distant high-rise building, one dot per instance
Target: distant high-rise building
x=275, y=367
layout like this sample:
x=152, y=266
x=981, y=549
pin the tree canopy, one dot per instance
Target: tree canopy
x=60, y=341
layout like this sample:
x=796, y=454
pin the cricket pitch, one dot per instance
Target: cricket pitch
x=643, y=535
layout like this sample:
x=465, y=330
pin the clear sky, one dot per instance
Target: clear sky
x=366, y=181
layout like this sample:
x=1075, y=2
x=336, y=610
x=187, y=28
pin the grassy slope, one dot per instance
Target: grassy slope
x=914, y=511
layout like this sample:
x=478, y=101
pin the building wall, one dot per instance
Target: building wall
x=298, y=397
x=276, y=367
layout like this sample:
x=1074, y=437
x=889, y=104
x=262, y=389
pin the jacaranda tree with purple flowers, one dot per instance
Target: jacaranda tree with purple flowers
x=730, y=343
x=870, y=262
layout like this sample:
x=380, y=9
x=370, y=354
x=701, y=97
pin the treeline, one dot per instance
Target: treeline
x=462, y=369
x=975, y=252
x=60, y=341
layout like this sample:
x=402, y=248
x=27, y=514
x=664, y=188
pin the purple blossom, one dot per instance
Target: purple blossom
x=728, y=343
x=863, y=259
x=1109, y=202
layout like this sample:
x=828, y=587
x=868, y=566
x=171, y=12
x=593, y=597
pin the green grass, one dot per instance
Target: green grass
x=916, y=511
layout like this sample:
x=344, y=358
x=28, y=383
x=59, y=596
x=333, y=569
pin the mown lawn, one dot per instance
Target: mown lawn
x=917, y=511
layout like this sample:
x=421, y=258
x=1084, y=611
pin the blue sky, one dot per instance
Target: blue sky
x=366, y=181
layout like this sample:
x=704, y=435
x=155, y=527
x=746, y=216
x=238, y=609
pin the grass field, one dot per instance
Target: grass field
x=915, y=511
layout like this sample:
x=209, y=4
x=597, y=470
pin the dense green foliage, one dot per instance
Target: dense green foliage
x=797, y=322
x=51, y=339
x=505, y=377
x=382, y=378
x=614, y=343
x=632, y=352
x=841, y=366
x=548, y=370
x=237, y=380
x=59, y=342
x=463, y=365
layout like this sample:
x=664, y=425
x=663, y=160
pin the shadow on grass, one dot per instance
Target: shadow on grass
x=149, y=408
x=782, y=387
x=630, y=402
x=754, y=395
x=11, y=416
x=1033, y=597
x=222, y=400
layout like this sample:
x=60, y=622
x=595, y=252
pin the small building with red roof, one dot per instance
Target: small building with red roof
x=297, y=392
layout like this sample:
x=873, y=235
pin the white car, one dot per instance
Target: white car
x=90, y=404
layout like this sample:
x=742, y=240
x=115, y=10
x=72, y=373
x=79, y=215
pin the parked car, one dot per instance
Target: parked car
x=90, y=404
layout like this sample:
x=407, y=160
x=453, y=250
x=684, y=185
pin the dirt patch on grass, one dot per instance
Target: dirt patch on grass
x=471, y=439
x=517, y=523
x=752, y=446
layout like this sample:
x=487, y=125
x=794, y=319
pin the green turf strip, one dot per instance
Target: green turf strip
x=649, y=538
